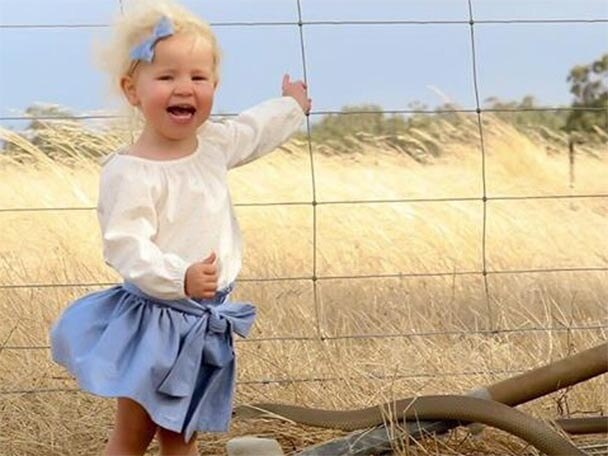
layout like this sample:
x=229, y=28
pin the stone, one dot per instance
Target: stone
x=253, y=446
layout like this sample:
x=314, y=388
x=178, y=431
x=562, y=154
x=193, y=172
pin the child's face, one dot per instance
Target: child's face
x=175, y=91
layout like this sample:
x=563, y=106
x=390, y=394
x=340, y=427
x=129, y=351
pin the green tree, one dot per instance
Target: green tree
x=589, y=85
x=526, y=113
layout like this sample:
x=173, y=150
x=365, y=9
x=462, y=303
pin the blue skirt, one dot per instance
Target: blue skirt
x=175, y=358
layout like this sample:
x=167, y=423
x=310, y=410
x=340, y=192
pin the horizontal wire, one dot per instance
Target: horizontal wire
x=540, y=21
x=397, y=275
x=460, y=199
x=106, y=25
x=63, y=117
x=547, y=270
x=454, y=22
x=407, y=335
x=337, y=277
x=341, y=202
x=332, y=22
x=376, y=377
x=333, y=112
x=305, y=380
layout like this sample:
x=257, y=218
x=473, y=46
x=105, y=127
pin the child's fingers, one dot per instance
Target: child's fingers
x=211, y=278
x=210, y=286
x=299, y=85
x=209, y=270
x=285, y=80
x=210, y=259
x=209, y=289
x=206, y=269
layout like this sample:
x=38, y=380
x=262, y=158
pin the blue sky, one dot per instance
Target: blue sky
x=390, y=65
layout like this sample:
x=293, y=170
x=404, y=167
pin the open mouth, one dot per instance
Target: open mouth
x=182, y=111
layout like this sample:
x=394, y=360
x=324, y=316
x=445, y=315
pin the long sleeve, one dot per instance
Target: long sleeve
x=259, y=130
x=128, y=220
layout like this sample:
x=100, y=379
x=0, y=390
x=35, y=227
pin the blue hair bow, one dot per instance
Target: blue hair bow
x=145, y=50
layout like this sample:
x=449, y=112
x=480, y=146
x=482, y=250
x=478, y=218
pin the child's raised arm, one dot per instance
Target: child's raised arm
x=259, y=130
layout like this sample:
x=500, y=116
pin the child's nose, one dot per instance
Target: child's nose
x=183, y=87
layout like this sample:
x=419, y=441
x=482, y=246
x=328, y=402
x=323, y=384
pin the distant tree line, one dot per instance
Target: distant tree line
x=587, y=119
x=589, y=116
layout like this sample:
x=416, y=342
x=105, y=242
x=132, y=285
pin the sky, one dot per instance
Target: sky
x=51, y=60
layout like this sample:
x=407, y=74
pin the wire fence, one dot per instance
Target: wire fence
x=315, y=277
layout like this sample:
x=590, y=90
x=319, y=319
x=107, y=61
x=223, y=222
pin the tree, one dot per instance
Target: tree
x=589, y=85
x=526, y=113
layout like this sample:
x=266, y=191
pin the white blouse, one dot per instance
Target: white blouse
x=157, y=217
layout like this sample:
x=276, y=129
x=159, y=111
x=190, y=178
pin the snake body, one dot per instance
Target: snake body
x=442, y=407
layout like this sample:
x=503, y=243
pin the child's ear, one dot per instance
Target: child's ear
x=127, y=84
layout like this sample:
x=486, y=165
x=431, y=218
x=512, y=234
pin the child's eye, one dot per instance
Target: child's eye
x=165, y=78
x=199, y=78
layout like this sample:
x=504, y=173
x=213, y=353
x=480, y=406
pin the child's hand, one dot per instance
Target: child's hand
x=297, y=90
x=201, y=278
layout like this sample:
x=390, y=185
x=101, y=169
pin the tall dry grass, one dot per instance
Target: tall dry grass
x=458, y=334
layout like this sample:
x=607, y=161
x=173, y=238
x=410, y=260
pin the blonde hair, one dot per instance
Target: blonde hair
x=136, y=23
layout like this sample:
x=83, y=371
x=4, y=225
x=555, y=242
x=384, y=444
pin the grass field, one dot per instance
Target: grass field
x=442, y=320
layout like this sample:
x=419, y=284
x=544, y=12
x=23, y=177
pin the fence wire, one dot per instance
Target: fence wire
x=315, y=278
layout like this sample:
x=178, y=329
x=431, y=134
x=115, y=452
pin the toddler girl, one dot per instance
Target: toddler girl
x=161, y=342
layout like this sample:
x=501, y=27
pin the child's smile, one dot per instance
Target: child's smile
x=182, y=113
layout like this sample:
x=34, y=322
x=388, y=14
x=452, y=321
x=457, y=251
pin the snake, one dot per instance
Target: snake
x=457, y=408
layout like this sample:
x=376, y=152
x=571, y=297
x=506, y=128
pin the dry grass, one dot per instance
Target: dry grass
x=352, y=239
